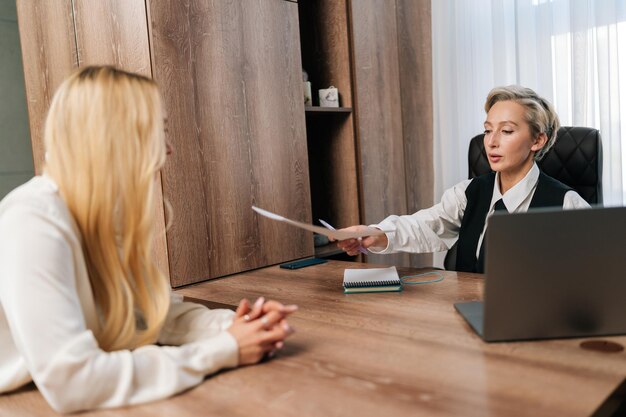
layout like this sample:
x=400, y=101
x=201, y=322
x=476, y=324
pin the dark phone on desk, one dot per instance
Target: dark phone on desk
x=303, y=263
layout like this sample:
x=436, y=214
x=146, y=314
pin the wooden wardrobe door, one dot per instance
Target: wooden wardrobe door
x=49, y=55
x=415, y=46
x=230, y=74
x=416, y=86
x=115, y=32
x=379, y=114
x=59, y=36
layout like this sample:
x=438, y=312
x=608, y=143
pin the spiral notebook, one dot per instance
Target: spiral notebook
x=371, y=280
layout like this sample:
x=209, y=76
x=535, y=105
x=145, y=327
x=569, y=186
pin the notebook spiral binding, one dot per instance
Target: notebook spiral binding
x=370, y=284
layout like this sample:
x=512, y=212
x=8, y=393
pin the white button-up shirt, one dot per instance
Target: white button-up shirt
x=48, y=315
x=436, y=229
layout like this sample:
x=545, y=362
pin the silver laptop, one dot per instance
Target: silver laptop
x=552, y=274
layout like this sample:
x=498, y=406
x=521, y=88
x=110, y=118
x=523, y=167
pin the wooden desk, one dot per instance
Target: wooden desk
x=382, y=354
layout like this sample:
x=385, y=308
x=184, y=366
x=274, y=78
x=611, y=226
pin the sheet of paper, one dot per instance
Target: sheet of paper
x=370, y=275
x=333, y=234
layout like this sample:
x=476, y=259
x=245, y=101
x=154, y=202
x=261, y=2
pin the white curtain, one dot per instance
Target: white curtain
x=573, y=52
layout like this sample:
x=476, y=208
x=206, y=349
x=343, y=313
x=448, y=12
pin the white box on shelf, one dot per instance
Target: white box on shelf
x=329, y=97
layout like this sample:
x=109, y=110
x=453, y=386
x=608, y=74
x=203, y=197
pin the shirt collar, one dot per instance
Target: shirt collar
x=514, y=197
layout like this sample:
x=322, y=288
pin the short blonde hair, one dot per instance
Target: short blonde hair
x=540, y=114
x=105, y=145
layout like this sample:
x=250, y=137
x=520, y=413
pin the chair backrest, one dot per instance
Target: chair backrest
x=575, y=160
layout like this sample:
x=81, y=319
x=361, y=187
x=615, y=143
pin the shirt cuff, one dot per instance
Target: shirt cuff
x=391, y=228
x=222, y=350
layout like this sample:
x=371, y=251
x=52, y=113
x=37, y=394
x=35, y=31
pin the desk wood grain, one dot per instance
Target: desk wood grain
x=400, y=354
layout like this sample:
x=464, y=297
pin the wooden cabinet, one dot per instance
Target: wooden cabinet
x=58, y=37
x=392, y=74
x=230, y=74
x=413, y=19
x=377, y=79
x=326, y=57
x=376, y=158
x=49, y=55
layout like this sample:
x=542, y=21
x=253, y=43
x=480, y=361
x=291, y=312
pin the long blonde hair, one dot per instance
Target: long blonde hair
x=105, y=145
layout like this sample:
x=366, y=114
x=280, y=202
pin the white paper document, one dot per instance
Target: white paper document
x=333, y=234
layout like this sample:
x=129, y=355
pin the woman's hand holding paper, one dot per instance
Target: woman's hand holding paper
x=352, y=246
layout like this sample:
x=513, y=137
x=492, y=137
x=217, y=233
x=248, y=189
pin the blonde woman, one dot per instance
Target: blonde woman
x=520, y=128
x=81, y=302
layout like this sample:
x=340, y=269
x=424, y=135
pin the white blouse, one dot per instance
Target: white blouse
x=437, y=228
x=47, y=318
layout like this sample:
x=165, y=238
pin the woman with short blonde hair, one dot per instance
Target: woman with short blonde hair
x=520, y=128
x=81, y=302
x=539, y=113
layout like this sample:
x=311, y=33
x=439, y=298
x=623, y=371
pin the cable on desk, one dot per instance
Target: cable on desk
x=439, y=276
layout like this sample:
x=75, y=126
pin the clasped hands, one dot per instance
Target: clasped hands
x=260, y=329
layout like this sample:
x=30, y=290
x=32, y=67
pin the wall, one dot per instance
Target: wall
x=16, y=158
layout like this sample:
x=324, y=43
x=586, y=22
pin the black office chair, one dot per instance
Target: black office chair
x=575, y=160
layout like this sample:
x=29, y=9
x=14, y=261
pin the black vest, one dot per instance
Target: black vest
x=549, y=193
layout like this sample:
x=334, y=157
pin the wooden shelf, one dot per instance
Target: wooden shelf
x=327, y=250
x=318, y=109
x=331, y=143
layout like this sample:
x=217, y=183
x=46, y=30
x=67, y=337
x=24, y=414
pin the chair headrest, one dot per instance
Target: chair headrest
x=575, y=160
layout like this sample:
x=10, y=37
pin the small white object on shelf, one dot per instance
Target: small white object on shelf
x=308, y=97
x=329, y=97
